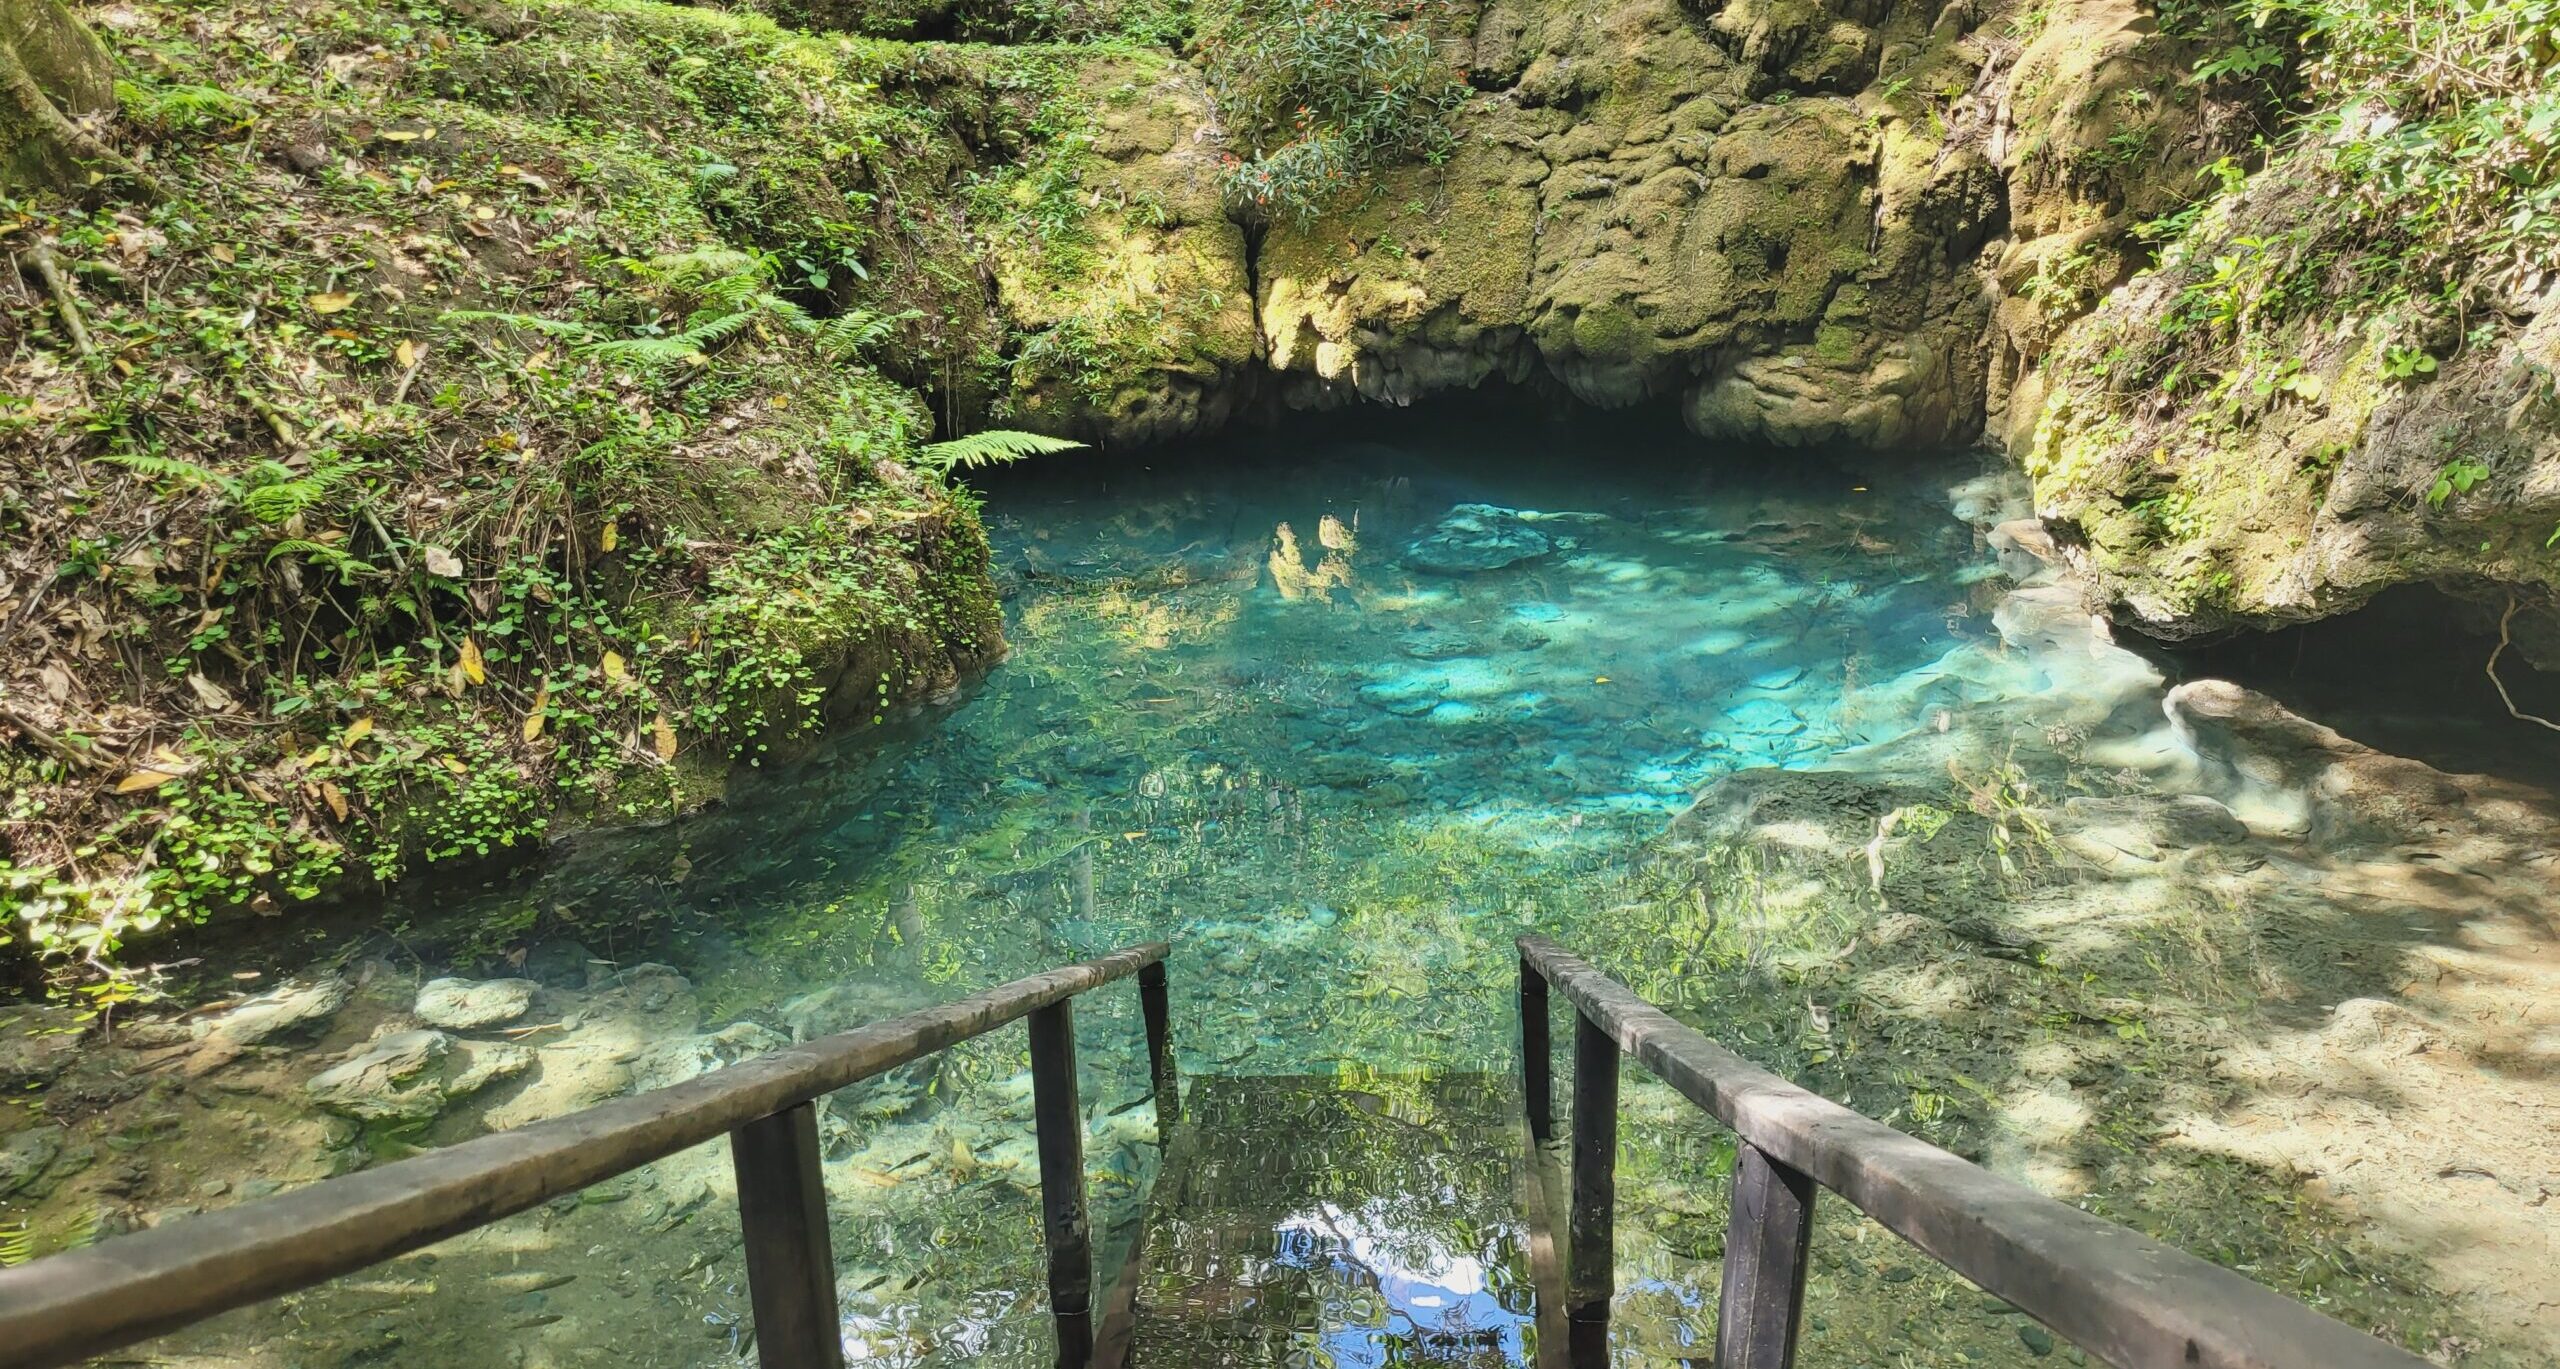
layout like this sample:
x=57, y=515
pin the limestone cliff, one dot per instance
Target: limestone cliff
x=1810, y=224
x=1862, y=225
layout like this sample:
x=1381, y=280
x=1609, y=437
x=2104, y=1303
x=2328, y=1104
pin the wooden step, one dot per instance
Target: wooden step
x=1348, y=1221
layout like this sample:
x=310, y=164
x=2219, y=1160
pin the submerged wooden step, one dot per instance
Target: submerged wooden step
x=1344, y=1221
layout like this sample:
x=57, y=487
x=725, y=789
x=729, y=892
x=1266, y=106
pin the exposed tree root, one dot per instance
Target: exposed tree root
x=36, y=112
x=2504, y=639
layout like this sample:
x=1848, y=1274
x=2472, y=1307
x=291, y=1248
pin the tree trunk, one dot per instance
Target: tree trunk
x=56, y=82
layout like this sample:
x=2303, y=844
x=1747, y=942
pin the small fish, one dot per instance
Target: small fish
x=529, y=1323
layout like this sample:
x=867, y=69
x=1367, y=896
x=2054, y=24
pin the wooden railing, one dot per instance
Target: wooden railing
x=2116, y=1293
x=64, y=1308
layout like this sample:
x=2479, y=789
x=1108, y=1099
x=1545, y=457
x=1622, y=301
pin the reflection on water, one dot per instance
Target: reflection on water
x=1354, y=1222
x=1340, y=717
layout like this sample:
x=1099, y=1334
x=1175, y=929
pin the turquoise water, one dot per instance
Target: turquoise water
x=1339, y=710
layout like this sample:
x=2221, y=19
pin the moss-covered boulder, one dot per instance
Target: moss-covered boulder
x=1115, y=264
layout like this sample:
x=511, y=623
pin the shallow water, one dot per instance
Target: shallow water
x=1238, y=715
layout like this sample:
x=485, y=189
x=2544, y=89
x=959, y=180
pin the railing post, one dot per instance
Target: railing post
x=1537, y=1054
x=1154, y=1003
x=791, y=1269
x=1766, y=1245
x=1591, y=1275
x=1059, y=1118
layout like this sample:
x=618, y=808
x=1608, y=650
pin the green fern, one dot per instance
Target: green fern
x=533, y=323
x=994, y=447
x=646, y=351
x=172, y=470
x=702, y=268
x=849, y=334
x=274, y=492
x=349, y=568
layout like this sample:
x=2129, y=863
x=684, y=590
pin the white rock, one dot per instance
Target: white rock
x=464, y=1005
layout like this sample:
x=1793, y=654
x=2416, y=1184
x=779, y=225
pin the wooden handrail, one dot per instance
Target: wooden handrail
x=68, y=1307
x=2123, y=1297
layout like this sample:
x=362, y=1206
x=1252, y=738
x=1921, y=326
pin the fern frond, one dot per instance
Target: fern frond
x=533, y=323
x=698, y=266
x=851, y=333
x=173, y=470
x=348, y=567
x=712, y=332
x=645, y=351
x=994, y=447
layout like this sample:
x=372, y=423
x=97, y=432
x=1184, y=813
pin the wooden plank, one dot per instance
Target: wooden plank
x=1537, y=1054
x=791, y=1266
x=1164, y=1078
x=1542, y=1206
x=68, y=1307
x=1768, y=1242
x=1059, y=1117
x=1592, y=1272
x=2109, y=1289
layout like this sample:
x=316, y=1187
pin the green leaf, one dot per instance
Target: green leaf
x=994, y=447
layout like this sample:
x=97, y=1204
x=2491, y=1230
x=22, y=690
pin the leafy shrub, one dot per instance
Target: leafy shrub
x=1315, y=93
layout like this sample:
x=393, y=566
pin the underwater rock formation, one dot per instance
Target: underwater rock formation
x=1476, y=537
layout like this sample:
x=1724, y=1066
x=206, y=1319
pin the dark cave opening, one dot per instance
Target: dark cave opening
x=2407, y=674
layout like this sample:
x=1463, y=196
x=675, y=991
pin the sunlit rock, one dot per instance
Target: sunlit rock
x=413, y=1076
x=464, y=1005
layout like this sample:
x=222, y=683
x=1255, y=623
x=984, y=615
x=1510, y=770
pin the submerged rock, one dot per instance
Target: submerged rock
x=1477, y=537
x=26, y=1156
x=843, y=1007
x=413, y=1076
x=291, y=1008
x=37, y=1045
x=464, y=1005
x=1437, y=644
x=673, y=1062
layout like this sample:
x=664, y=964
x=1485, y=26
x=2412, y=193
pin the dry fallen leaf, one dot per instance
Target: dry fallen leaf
x=356, y=731
x=330, y=303
x=614, y=669
x=473, y=668
x=453, y=765
x=612, y=535
x=406, y=353
x=444, y=563
x=140, y=780
x=336, y=798
x=662, y=735
x=211, y=695
x=533, y=720
x=224, y=254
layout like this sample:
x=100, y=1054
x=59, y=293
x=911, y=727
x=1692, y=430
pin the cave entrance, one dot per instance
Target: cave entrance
x=2404, y=674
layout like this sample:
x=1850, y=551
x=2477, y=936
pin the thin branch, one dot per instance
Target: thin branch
x=2504, y=619
x=48, y=269
x=45, y=740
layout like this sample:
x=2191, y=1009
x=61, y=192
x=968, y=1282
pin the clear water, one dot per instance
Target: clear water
x=1237, y=716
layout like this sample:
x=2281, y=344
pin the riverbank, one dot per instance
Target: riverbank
x=1836, y=786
